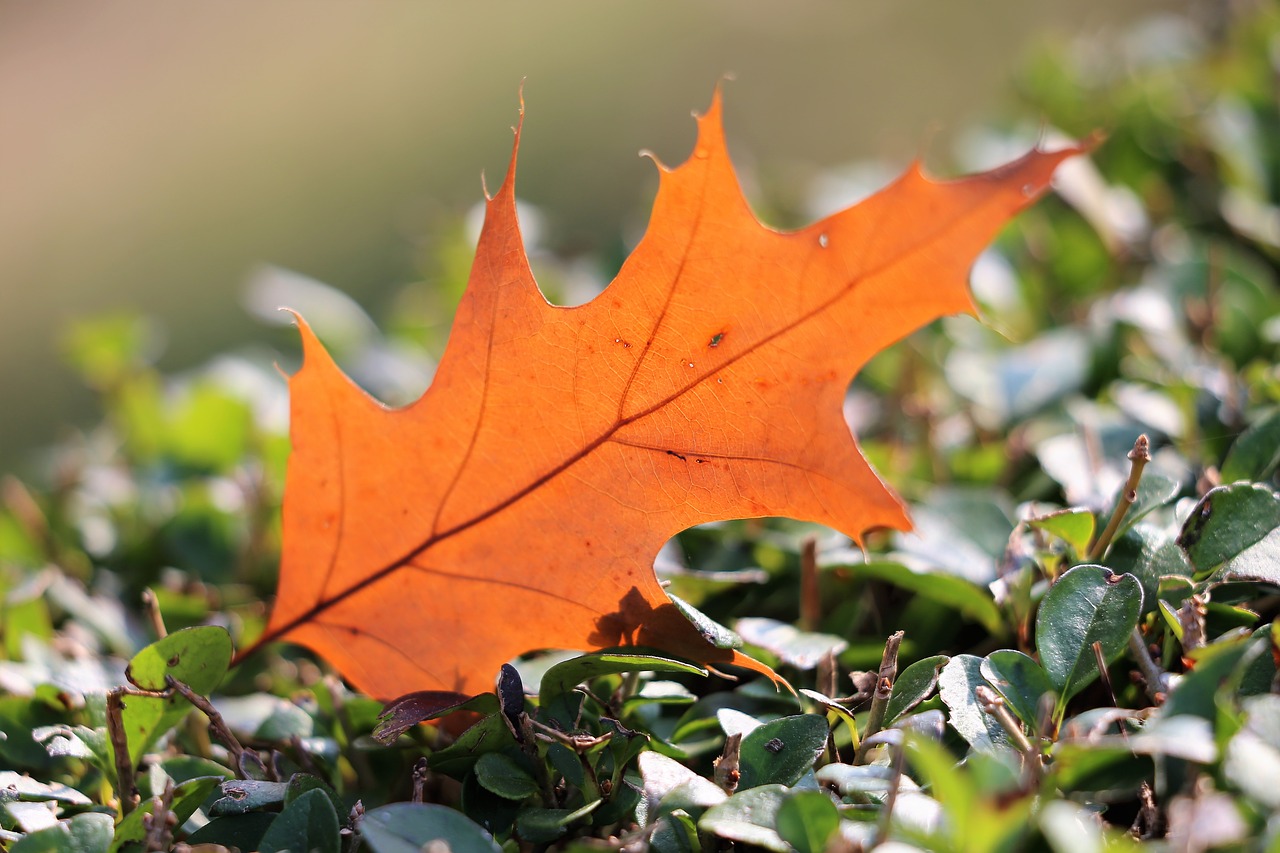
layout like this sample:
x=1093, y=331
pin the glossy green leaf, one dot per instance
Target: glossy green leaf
x=807, y=820
x=781, y=751
x=490, y=734
x=198, y=657
x=501, y=774
x=244, y=831
x=308, y=823
x=956, y=685
x=187, y=797
x=1088, y=604
x=1073, y=526
x=913, y=686
x=245, y=795
x=411, y=827
x=563, y=677
x=1020, y=680
x=1148, y=553
x=1226, y=523
x=537, y=825
x=749, y=817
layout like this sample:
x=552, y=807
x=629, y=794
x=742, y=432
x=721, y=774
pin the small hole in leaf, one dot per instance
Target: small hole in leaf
x=173, y=661
x=823, y=240
x=716, y=339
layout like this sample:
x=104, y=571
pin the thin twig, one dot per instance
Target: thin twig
x=993, y=704
x=890, y=800
x=1155, y=678
x=884, y=689
x=1138, y=459
x=151, y=605
x=120, y=747
x=216, y=724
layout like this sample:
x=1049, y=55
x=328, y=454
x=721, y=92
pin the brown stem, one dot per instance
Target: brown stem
x=151, y=605
x=1138, y=459
x=125, y=786
x=993, y=704
x=884, y=690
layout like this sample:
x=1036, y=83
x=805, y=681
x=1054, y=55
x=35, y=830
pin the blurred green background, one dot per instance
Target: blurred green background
x=152, y=156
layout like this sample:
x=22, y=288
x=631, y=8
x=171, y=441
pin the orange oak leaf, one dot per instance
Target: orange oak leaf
x=519, y=504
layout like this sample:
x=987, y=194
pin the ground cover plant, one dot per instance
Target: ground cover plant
x=1073, y=650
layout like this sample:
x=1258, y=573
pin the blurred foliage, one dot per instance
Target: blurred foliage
x=1089, y=650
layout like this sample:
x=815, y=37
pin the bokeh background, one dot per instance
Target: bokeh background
x=154, y=156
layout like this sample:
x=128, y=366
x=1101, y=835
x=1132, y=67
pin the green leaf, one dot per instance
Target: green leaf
x=1088, y=604
x=711, y=630
x=458, y=758
x=198, y=657
x=410, y=827
x=802, y=649
x=244, y=831
x=240, y=796
x=538, y=825
x=499, y=773
x=806, y=820
x=187, y=797
x=84, y=833
x=1020, y=680
x=1149, y=554
x=1074, y=526
x=913, y=686
x=964, y=596
x=1253, y=755
x=1226, y=522
x=308, y=823
x=1256, y=453
x=781, y=751
x=956, y=685
x=563, y=677
x=750, y=817
x=675, y=834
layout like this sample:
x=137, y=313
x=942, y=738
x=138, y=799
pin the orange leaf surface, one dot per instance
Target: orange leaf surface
x=520, y=502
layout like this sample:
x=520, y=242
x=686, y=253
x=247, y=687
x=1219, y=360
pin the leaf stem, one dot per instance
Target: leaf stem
x=884, y=689
x=993, y=704
x=1138, y=459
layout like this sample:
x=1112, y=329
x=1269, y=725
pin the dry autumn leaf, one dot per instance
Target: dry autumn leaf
x=520, y=502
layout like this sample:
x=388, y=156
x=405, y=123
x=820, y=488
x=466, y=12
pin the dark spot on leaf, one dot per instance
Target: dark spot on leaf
x=1194, y=528
x=775, y=745
x=677, y=455
x=173, y=661
x=236, y=793
x=716, y=339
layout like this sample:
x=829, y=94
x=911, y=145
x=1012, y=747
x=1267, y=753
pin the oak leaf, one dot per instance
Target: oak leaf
x=519, y=504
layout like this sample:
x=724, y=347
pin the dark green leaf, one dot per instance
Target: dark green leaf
x=458, y=758
x=539, y=826
x=1020, y=680
x=563, y=677
x=1088, y=604
x=782, y=750
x=1227, y=522
x=957, y=593
x=308, y=823
x=244, y=831
x=806, y=820
x=749, y=817
x=410, y=827
x=675, y=834
x=1256, y=453
x=501, y=774
x=913, y=686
